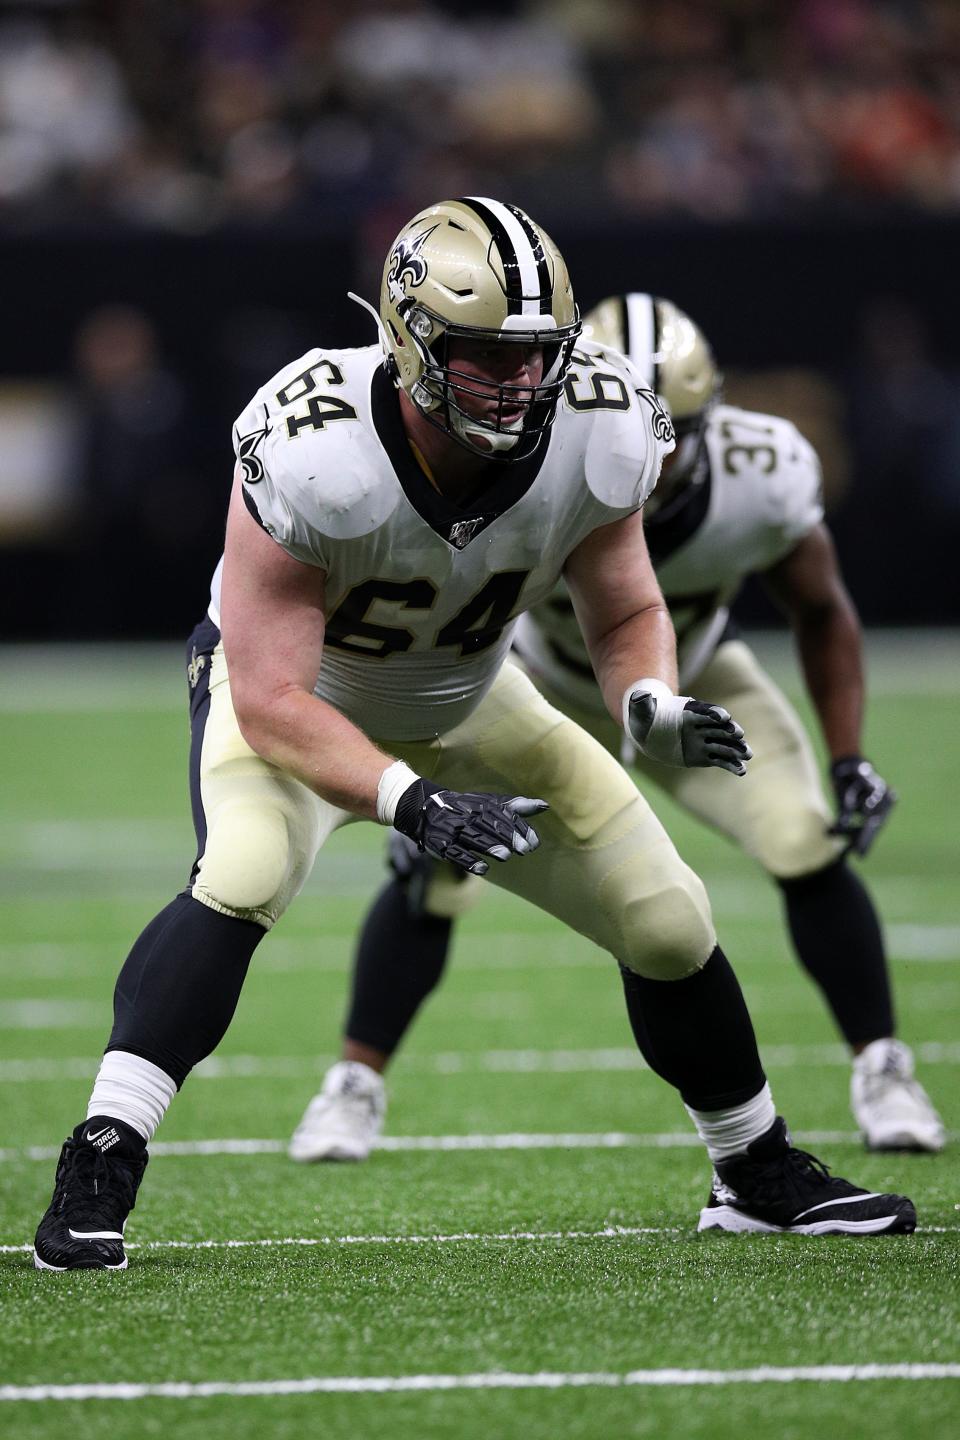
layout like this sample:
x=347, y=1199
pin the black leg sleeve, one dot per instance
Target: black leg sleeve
x=180, y=984
x=697, y=1034
x=837, y=937
x=400, y=958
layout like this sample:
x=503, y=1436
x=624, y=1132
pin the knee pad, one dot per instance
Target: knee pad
x=664, y=916
x=246, y=865
x=790, y=843
x=259, y=851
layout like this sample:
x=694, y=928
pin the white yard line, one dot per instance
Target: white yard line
x=481, y=1237
x=924, y=942
x=493, y=950
x=484, y=1380
x=534, y=1140
x=41, y=1014
x=608, y=1232
x=512, y=951
x=457, y=1062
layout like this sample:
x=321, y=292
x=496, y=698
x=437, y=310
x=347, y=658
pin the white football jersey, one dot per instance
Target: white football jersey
x=423, y=593
x=758, y=495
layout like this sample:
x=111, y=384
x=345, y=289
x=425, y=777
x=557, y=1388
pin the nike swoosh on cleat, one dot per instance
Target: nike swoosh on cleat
x=88, y=1136
x=95, y=1234
x=842, y=1200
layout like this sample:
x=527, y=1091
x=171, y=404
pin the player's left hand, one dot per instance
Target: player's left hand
x=678, y=730
x=864, y=802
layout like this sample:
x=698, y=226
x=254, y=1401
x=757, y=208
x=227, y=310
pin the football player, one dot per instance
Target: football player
x=393, y=511
x=739, y=495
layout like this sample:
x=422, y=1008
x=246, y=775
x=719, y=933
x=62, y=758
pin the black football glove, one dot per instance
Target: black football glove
x=678, y=730
x=864, y=802
x=466, y=828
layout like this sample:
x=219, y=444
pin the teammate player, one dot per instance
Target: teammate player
x=740, y=495
x=392, y=513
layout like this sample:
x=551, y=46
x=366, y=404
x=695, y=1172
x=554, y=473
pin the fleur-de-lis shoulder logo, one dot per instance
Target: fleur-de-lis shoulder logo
x=662, y=424
x=247, y=447
x=407, y=265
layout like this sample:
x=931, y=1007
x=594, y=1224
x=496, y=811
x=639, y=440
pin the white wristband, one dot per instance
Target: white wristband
x=394, y=780
x=659, y=689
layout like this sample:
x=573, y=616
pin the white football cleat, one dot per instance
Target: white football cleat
x=344, y=1119
x=891, y=1107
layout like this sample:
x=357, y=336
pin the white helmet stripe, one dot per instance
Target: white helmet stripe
x=641, y=337
x=526, y=259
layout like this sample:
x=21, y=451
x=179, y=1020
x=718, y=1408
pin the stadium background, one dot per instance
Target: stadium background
x=188, y=190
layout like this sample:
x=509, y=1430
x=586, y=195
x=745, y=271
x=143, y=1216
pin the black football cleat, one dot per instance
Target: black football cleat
x=773, y=1188
x=99, y=1170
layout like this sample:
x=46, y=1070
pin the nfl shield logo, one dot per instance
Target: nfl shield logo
x=463, y=531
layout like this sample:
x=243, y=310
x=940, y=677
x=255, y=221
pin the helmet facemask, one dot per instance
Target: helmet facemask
x=442, y=386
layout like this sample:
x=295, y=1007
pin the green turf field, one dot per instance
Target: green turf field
x=520, y=1259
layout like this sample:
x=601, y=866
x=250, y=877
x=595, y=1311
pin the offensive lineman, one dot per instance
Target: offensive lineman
x=741, y=494
x=377, y=550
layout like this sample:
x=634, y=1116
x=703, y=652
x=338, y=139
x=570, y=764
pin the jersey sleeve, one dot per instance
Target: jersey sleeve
x=794, y=495
x=276, y=496
x=631, y=437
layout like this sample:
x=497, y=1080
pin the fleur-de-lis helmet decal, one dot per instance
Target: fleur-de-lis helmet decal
x=407, y=263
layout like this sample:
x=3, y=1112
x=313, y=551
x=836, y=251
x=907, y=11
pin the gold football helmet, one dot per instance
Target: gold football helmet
x=480, y=270
x=674, y=357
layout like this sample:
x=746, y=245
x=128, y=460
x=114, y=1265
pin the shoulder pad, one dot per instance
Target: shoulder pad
x=779, y=465
x=308, y=457
x=629, y=431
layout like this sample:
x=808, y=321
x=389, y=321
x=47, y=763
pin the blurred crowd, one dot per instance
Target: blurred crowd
x=191, y=115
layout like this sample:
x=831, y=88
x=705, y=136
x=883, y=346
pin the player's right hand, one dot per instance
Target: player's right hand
x=467, y=829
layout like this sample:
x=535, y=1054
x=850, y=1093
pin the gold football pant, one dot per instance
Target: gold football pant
x=776, y=813
x=606, y=866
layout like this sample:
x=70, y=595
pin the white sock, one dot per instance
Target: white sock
x=729, y=1132
x=133, y=1090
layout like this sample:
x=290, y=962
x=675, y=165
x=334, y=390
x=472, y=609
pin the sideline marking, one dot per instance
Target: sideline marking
x=488, y=1380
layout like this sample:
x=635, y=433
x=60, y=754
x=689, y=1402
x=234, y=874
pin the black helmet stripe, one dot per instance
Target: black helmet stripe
x=524, y=267
x=543, y=269
x=625, y=325
x=655, y=363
